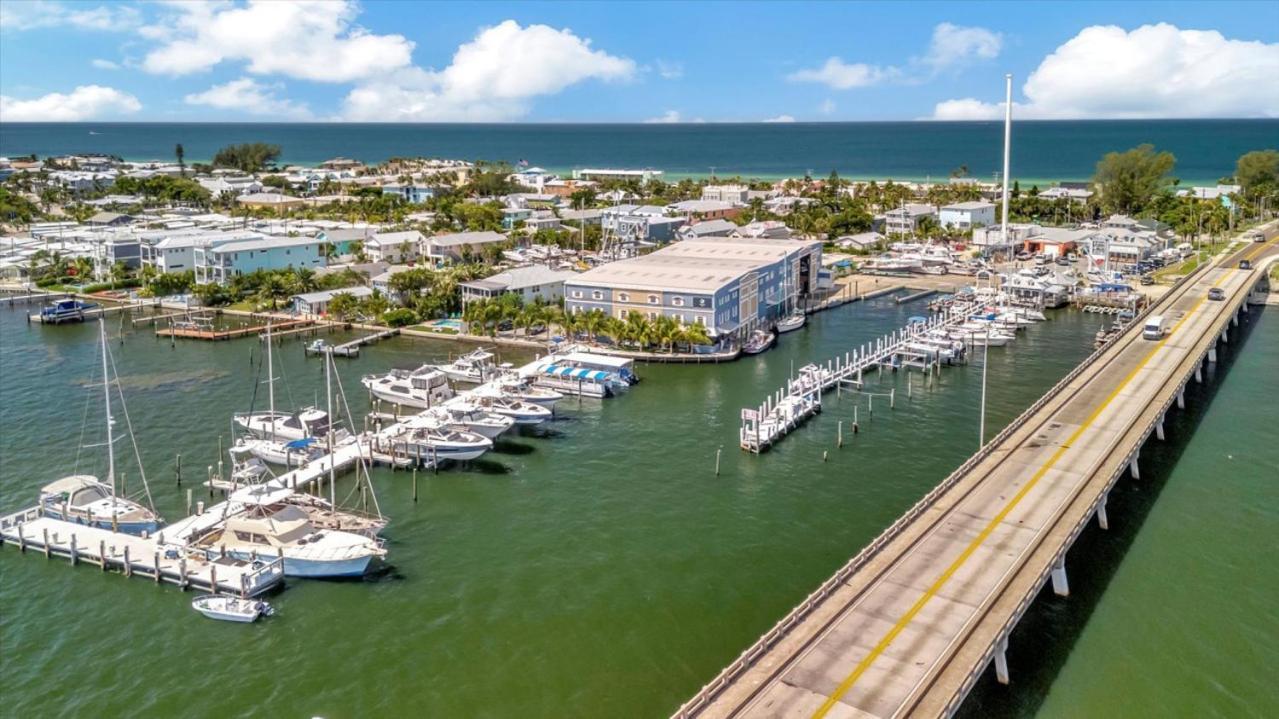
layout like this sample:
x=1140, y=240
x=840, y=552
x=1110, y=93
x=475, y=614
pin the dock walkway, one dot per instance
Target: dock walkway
x=219, y=335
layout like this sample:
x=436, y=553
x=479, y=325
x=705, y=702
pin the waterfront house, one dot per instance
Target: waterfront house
x=905, y=220
x=170, y=252
x=457, y=246
x=729, y=285
x=534, y=178
x=317, y=303
x=113, y=247
x=967, y=215
x=343, y=237
x=1074, y=194
x=860, y=242
x=220, y=260
x=394, y=246
x=528, y=283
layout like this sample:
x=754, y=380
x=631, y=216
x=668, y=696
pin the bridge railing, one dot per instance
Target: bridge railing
x=870, y=551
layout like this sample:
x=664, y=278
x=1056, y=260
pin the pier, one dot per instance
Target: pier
x=352, y=348
x=788, y=407
x=914, y=620
x=195, y=333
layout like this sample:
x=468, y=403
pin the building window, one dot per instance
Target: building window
x=653, y=299
x=652, y=315
x=597, y=295
x=577, y=294
x=677, y=301
x=621, y=314
x=623, y=297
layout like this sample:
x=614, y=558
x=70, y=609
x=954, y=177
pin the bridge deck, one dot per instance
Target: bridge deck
x=907, y=631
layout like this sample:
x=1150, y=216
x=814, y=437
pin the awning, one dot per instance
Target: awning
x=576, y=373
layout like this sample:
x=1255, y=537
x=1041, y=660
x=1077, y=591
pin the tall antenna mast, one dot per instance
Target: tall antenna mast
x=1008, y=133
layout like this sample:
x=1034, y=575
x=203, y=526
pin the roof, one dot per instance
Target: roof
x=106, y=218
x=458, y=239
x=268, y=198
x=521, y=277
x=395, y=238
x=972, y=205
x=701, y=265
x=326, y=295
x=265, y=243
x=700, y=206
x=710, y=227
x=348, y=234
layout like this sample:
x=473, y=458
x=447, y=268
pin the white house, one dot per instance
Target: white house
x=733, y=194
x=453, y=247
x=529, y=283
x=394, y=247
x=967, y=215
x=905, y=220
x=317, y=303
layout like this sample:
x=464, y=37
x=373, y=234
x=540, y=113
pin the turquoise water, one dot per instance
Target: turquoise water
x=1042, y=150
x=595, y=566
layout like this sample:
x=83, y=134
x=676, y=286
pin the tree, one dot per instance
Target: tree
x=400, y=317
x=248, y=157
x=342, y=305
x=16, y=209
x=1257, y=173
x=582, y=198
x=1128, y=181
x=181, y=154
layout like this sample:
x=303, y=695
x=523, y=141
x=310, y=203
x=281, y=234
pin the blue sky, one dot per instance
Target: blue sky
x=634, y=62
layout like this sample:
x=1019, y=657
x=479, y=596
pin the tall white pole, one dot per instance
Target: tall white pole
x=106, y=393
x=328, y=391
x=270, y=379
x=1008, y=133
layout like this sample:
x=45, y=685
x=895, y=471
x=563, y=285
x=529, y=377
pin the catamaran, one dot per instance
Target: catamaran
x=83, y=499
x=424, y=387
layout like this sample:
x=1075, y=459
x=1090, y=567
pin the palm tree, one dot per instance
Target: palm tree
x=695, y=334
x=272, y=290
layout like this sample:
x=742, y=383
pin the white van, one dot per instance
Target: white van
x=1155, y=328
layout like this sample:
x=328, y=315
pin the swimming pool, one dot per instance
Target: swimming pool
x=449, y=324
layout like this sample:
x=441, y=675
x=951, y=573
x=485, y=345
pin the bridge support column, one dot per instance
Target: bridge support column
x=1132, y=466
x=1235, y=320
x=1199, y=372
x=1181, y=398
x=1159, y=428
x=1102, y=520
x=1212, y=354
x=1001, y=661
x=1224, y=337
x=1060, y=587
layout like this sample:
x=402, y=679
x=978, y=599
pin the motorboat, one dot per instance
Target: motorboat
x=474, y=367
x=423, y=387
x=286, y=531
x=317, y=347
x=519, y=411
x=810, y=378
x=437, y=440
x=320, y=512
x=517, y=387
x=759, y=341
x=791, y=322
x=231, y=609
x=468, y=417
x=82, y=499
x=69, y=310
x=309, y=422
x=895, y=264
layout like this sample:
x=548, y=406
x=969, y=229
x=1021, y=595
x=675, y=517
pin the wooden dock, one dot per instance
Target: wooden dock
x=218, y=335
x=352, y=348
x=800, y=399
x=146, y=557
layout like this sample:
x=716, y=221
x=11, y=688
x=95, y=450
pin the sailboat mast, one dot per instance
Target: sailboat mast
x=106, y=395
x=270, y=379
x=328, y=391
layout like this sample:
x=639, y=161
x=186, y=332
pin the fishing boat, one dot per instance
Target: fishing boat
x=83, y=499
x=231, y=609
x=473, y=367
x=424, y=387
x=69, y=310
x=465, y=416
x=436, y=439
x=759, y=341
x=272, y=530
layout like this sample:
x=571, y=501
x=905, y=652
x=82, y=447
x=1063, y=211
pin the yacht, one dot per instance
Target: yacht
x=436, y=439
x=474, y=367
x=319, y=511
x=275, y=530
x=466, y=416
x=891, y=264
x=519, y=411
x=424, y=387
x=517, y=387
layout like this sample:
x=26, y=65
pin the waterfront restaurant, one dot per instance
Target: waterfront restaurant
x=730, y=285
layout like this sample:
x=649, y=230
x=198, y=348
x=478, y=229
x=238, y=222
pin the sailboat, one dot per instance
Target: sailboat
x=795, y=319
x=274, y=429
x=84, y=499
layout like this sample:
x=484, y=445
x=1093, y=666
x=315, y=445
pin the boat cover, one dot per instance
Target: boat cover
x=576, y=373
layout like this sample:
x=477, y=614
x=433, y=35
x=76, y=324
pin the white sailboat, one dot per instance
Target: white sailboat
x=280, y=427
x=83, y=499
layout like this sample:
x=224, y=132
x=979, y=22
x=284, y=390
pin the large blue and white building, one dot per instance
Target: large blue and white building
x=220, y=260
x=730, y=285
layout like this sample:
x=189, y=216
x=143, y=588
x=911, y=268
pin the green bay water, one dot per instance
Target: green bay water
x=1042, y=151
x=594, y=566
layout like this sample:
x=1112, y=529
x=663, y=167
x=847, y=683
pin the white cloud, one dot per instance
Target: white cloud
x=827, y=107
x=781, y=118
x=670, y=70
x=40, y=13
x=104, y=64
x=86, y=102
x=669, y=117
x=839, y=75
x=1153, y=71
x=494, y=77
x=307, y=39
x=248, y=95
x=953, y=45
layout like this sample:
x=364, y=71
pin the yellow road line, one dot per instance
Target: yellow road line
x=985, y=533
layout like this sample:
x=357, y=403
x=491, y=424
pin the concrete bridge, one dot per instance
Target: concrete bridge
x=909, y=625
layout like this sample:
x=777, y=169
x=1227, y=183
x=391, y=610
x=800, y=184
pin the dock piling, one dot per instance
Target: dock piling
x=718, y=452
x=415, y=483
x=177, y=468
x=839, y=442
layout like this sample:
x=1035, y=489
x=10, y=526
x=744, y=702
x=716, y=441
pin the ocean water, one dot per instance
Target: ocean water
x=1042, y=150
x=596, y=566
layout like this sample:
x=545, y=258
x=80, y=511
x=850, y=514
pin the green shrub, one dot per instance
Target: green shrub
x=402, y=317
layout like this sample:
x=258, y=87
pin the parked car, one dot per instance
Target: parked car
x=1216, y=294
x=1147, y=280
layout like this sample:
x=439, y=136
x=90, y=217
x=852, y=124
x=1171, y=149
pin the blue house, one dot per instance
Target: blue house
x=220, y=261
x=414, y=194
